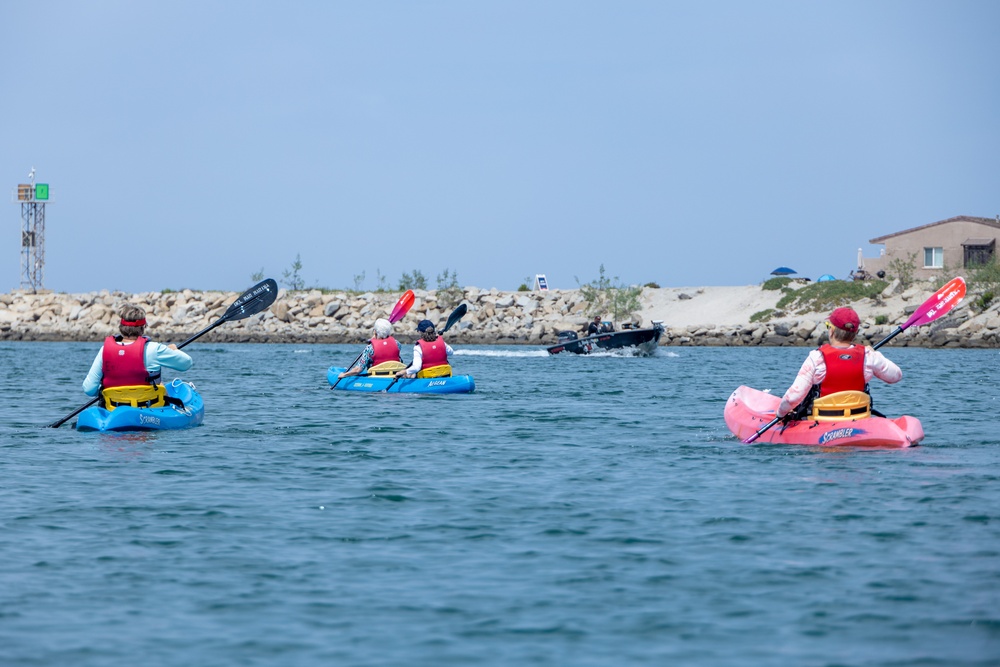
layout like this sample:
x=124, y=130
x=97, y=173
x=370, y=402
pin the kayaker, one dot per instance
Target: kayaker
x=130, y=358
x=839, y=365
x=430, y=351
x=380, y=349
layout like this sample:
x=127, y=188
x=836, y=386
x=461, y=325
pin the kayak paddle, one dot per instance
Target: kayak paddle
x=251, y=302
x=399, y=311
x=455, y=316
x=940, y=303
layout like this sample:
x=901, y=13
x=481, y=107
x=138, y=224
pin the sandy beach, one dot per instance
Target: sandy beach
x=733, y=306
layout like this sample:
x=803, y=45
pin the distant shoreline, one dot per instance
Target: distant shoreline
x=700, y=316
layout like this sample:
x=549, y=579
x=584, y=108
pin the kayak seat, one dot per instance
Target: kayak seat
x=135, y=396
x=435, y=372
x=386, y=368
x=842, y=406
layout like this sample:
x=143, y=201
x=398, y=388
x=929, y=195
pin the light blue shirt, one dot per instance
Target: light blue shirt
x=156, y=355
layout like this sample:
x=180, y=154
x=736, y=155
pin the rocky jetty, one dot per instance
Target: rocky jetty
x=494, y=317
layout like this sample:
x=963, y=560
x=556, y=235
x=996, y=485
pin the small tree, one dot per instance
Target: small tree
x=292, y=277
x=449, y=292
x=257, y=276
x=380, y=281
x=902, y=269
x=415, y=280
x=610, y=295
x=359, y=280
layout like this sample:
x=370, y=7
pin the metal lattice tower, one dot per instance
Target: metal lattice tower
x=33, y=199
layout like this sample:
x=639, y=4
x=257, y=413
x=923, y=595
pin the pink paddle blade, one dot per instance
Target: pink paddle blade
x=941, y=303
x=402, y=306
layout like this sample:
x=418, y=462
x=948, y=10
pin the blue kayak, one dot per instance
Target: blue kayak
x=453, y=384
x=169, y=417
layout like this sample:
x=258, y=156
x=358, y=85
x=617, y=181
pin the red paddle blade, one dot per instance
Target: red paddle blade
x=942, y=302
x=402, y=306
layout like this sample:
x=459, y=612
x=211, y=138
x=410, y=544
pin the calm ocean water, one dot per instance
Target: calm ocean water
x=574, y=511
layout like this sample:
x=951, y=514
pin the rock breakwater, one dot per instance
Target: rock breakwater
x=494, y=317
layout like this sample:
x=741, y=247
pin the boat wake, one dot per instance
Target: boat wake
x=502, y=353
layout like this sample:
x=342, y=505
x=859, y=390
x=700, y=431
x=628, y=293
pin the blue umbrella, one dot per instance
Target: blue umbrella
x=826, y=277
x=783, y=271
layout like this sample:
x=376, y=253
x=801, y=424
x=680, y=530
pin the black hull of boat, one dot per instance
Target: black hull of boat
x=644, y=342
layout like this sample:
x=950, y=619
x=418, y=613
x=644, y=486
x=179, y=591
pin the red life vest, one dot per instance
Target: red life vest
x=124, y=365
x=434, y=354
x=845, y=369
x=384, y=349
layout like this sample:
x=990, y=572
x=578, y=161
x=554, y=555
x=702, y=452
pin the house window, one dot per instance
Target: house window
x=933, y=258
x=977, y=252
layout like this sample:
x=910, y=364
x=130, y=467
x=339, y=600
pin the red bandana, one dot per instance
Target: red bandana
x=134, y=323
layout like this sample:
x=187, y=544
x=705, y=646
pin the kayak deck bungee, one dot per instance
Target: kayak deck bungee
x=749, y=409
x=452, y=384
x=168, y=417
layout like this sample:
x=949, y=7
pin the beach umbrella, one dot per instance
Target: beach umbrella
x=826, y=277
x=783, y=271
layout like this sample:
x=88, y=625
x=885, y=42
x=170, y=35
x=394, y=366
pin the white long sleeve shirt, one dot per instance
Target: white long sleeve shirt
x=156, y=355
x=813, y=371
x=418, y=358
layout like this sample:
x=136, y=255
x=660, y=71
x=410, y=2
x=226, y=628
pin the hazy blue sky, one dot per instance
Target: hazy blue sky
x=190, y=144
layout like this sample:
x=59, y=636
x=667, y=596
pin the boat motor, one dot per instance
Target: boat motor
x=567, y=336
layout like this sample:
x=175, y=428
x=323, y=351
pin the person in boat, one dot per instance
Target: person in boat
x=130, y=358
x=380, y=349
x=599, y=327
x=839, y=365
x=429, y=352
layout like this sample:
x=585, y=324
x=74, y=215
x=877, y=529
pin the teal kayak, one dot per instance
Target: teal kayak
x=169, y=417
x=453, y=384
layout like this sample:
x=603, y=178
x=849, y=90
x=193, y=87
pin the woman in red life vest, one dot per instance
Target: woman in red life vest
x=383, y=347
x=839, y=365
x=430, y=351
x=131, y=358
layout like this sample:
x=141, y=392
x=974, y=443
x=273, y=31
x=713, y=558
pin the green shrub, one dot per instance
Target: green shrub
x=881, y=319
x=523, y=288
x=985, y=276
x=825, y=296
x=776, y=283
x=610, y=295
x=652, y=285
x=903, y=269
x=415, y=280
x=762, y=315
x=983, y=301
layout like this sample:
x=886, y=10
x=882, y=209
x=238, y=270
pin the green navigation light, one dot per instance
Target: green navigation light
x=42, y=192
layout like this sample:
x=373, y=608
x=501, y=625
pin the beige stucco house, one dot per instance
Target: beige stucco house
x=941, y=249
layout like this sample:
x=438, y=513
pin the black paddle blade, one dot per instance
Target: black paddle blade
x=455, y=316
x=253, y=301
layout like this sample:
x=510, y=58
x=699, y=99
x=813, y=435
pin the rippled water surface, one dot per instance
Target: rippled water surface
x=573, y=511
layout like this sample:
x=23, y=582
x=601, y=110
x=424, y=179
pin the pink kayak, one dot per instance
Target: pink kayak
x=747, y=410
